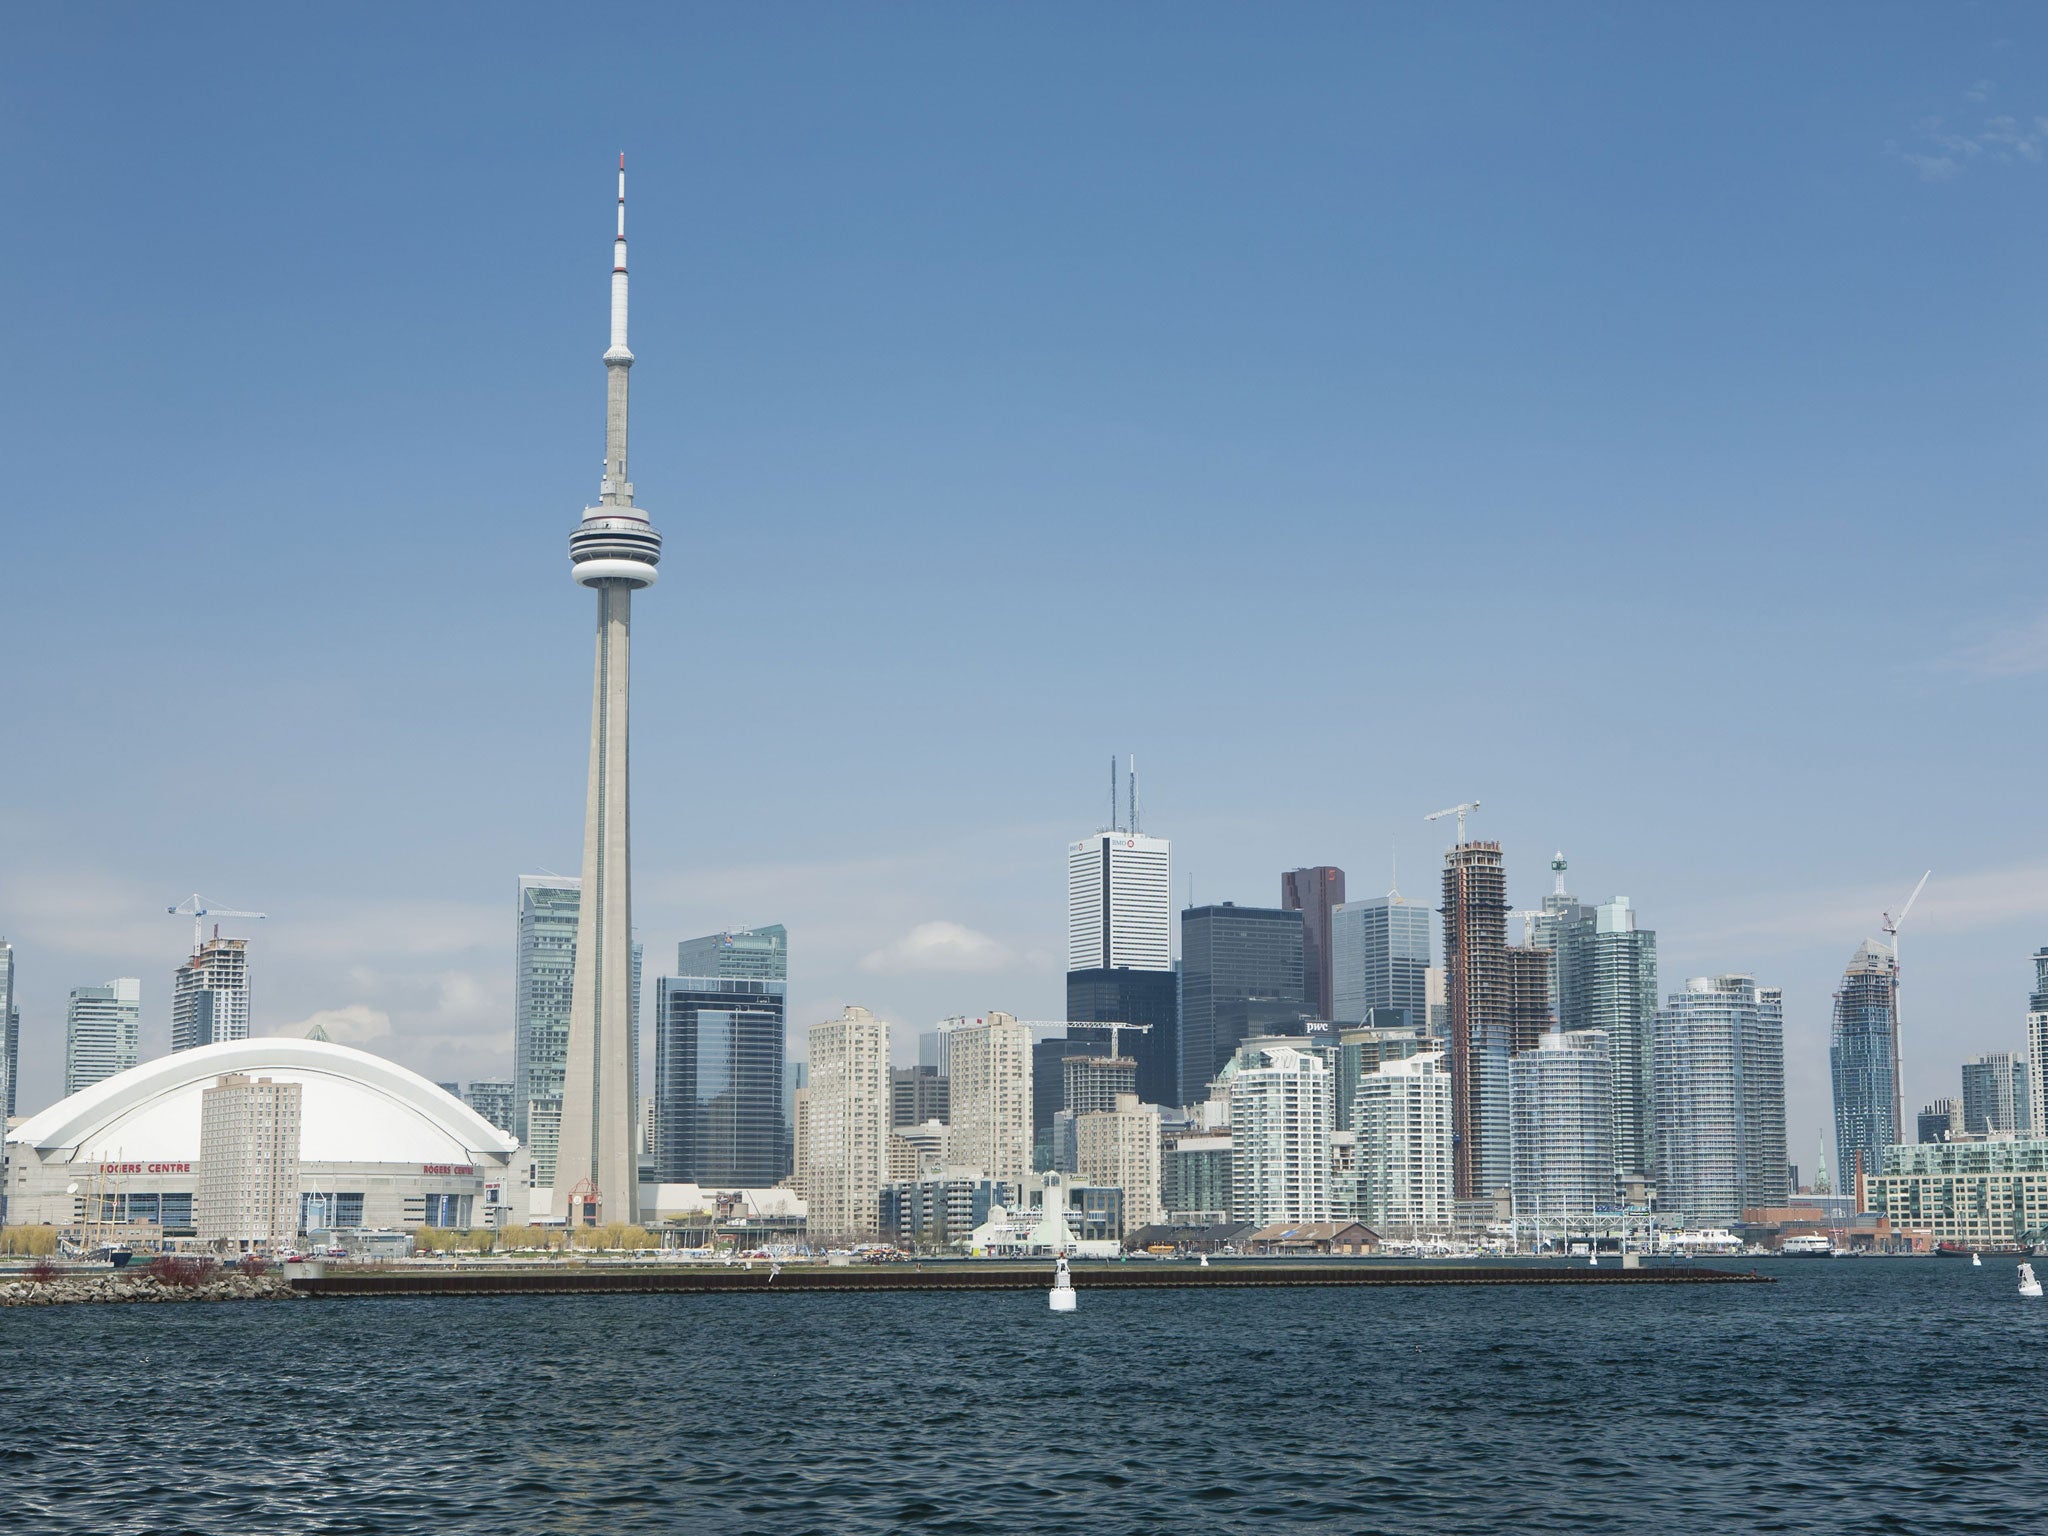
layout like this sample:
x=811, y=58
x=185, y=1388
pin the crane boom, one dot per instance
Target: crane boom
x=1458, y=811
x=195, y=907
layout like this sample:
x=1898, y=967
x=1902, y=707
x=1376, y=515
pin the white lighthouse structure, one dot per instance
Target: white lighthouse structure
x=615, y=550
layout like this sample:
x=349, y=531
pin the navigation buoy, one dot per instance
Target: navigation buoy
x=1061, y=1297
x=2029, y=1286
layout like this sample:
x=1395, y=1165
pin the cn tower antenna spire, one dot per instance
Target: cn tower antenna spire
x=617, y=489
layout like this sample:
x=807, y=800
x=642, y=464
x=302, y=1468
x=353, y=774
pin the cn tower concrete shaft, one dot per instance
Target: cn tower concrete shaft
x=615, y=550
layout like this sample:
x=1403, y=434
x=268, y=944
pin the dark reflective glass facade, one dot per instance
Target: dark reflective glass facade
x=718, y=1064
x=1241, y=975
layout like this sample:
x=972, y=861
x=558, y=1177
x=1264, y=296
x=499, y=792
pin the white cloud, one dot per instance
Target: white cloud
x=2021, y=651
x=939, y=946
x=1944, y=151
x=1952, y=904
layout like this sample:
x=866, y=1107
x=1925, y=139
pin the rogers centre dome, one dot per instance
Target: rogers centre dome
x=379, y=1146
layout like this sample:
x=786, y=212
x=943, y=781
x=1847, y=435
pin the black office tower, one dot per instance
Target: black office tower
x=1241, y=976
x=718, y=1062
x=1130, y=997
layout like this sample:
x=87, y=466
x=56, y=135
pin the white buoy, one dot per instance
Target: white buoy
x=1205, y=1261
x=2029, y=1286
x=1593, y=1259
x=1976, y=1261
x=1061, y=1298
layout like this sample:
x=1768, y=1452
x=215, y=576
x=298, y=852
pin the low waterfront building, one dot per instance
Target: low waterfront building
x=1969, y=1192
x=378, y=1146
x=1312, y=1237
x=1195, y=1177
x=943, y=1210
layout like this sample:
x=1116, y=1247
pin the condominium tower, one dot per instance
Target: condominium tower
x=543, y=979
x=1401, y=1112
x=844, y=1125
x=1282, y=1105
x=210, y=995
x=2037, y=1044
x=1863, y=1059
x=1561, y=1105
x=1995, y=1094
x=614, y=551
x=1719, y=1054
x=10, y=1033
x=990, y=1096
x=1481, y=1000
x=102, y=1032
x=248, y=1191
x=719, y=1048
x=1607, y=981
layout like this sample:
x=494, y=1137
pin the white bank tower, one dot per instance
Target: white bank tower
x=614, y=550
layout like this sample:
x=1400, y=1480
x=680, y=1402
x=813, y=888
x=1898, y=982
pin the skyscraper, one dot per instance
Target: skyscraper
x=719, y=1048
x=210, y=995
x=1475, y=914
x=615, y=550
x=917, y=1094
x=1281, y=1106
x=102, y=1032
x=1995, y=1094
x=493, y=1100
x=1607, y=981
x=1117, y=1147
x=1719, y=1057
x=1401, y=1112
x=248, y=1192
x=991, y=1095
x=1241, y=976
x=1863, y=1058
x=1315, y=893
x=1120, y=946
x=543, y=980
x=1380, y=953
x=10, y=1033
x=1561, y=1103
x=2037, y=1045
x=845, y=1125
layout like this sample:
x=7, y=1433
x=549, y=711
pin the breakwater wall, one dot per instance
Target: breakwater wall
x=719, y=1279
x=119, y=1286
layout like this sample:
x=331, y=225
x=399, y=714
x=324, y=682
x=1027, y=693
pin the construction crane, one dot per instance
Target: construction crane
x=195, y=907
x=1112, y=1025
x=1457, y=811
x=1891, y=924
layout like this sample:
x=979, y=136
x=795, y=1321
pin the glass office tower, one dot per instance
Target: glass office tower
x=719, y=1054
x=1380, y=952
x=1241, y=975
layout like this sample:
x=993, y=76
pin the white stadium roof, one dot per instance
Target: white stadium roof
x=357, y=1108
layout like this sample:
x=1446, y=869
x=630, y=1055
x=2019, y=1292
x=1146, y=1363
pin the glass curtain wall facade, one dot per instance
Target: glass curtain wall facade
x=1863, y=1061
x=102, y=1032
x=1380, y=954
x=1720, y=1085
x=1995, y=1094
x=10, y=1033
x=1607, y=980
x=544, y=974
x=1241, y=976
x=1561, y=1105
x=719, y=1053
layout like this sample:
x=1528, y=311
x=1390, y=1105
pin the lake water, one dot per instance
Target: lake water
x=1855, y=1395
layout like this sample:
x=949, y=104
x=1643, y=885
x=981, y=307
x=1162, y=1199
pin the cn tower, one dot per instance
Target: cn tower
x=615, y=550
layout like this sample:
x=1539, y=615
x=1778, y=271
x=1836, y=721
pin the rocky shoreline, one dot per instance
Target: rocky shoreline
x=115, y=1287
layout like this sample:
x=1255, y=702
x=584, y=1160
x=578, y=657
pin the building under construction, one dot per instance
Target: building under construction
x=1499, y=998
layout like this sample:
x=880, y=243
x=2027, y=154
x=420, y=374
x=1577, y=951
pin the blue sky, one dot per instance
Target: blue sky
x=1626, y=416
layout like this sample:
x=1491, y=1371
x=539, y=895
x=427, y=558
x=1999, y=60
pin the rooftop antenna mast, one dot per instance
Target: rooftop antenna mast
x=1112, y=793
x=1134, y=794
